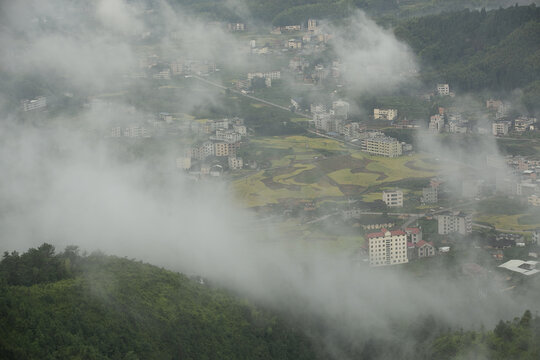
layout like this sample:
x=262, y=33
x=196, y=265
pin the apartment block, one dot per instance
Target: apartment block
x=387, y=247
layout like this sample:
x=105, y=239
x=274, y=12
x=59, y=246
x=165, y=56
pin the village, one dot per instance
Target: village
x=349, y=169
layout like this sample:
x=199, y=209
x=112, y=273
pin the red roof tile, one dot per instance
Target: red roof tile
x=382, y=232
x=413, y=230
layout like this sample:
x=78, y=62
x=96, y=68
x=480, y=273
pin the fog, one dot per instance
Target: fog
x=65, y=185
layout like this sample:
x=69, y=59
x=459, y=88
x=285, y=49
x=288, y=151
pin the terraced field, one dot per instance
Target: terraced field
x=308, y=168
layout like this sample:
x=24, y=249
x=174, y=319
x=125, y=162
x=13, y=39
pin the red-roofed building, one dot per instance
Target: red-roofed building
x=420, y=250
x=414, y=235
x=387, y=247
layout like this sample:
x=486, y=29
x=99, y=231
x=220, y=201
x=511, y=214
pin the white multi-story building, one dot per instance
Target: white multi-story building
x=35, y=104
x=116, y=132
x=273, y=75
x=227, y=135
x=454, y=222
x=436, y=123
x=317, y=108
x=387, y=247
x=135, y=131
x=382, y=146
x=393, y=198
x=385, y=114
x=183, y=163
x=341, y=109
x=235, y=162
x=443, y=89
x=500, y=127
x=430, y=195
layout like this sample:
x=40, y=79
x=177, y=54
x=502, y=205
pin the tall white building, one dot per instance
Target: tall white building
x=454, y=222
x=393, y=198
x=387, y=247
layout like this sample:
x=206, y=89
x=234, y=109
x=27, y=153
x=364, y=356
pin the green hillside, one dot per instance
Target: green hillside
x=66, y=306
x=474, y=50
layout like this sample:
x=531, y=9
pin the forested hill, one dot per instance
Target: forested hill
x=289, y=12
x=473, y=50
x=67, y=306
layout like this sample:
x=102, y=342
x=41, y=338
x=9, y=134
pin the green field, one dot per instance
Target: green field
x=308, y=168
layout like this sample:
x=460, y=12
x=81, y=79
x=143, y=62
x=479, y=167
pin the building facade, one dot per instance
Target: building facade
x=387, y=247
x=393, y=198
x=454, y=222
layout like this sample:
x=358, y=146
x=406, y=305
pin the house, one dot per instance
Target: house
x=500, y=127
x=341, y=109
x=430, y=195
x=393, y=198
x=294, y=44
x=387, y=247
x=382, y=146
x=454, y=222
x=414, y=235
x=234, y=27
x=183, y=163
x=524, y=123
x=235, y=162
x=443, y=89
x=34, y=104
x=312, y=25
x=420, y=249
x=436, y=123
x=385, y=114
x=536, y=236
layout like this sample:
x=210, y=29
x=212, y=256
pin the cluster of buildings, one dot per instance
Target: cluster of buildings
x=449, y=121
x=519, y=125
x=393, y=247
x=225, y=136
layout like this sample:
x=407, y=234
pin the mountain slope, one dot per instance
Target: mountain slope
x=121, y=309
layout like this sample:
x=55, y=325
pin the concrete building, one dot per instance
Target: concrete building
x=382, y=146
x=500, y=127
x=136, y=131
x=424, y=249
x=294, y=44
x=436, y=123
x=430, y=195
x=341, y=109
x=235, y=162
x=454, y=222
x=183, y=163
x=443, y=89
x=387, y=247
x=533, y=200
x=414, y=235
x=273, y=75
x=393, y=198
x=385, y=114
x=524, y=123
x=312, y=25
x=35, y=104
